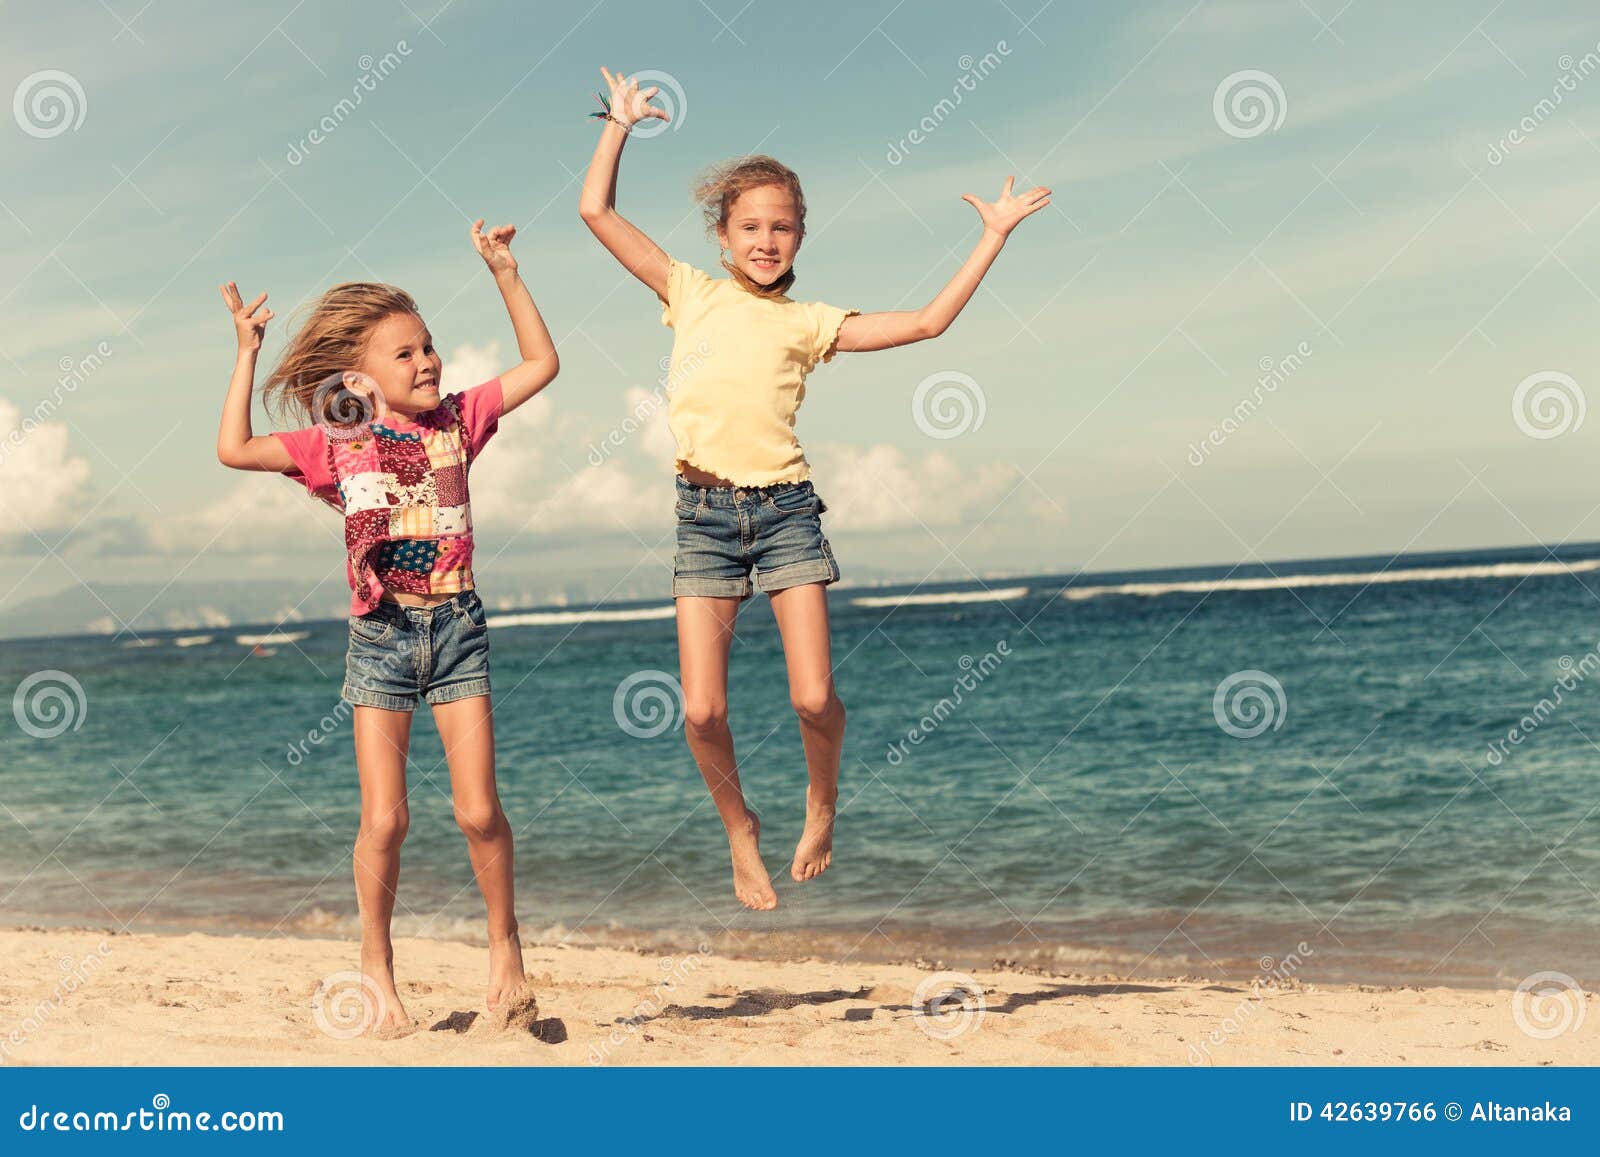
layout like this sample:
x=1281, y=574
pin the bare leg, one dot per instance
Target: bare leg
x=802, y=614
x=382, y=741
x=705, y=634
x=466, y=727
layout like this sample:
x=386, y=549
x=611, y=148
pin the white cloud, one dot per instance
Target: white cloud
x=261, y=513
x=537, y=486
x=881, y=487
x=536, y=477
x=45, y=484
x=655, y=436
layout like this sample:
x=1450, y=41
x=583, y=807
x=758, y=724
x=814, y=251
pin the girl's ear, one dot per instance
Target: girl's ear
x=722, y=237
x=364, y=388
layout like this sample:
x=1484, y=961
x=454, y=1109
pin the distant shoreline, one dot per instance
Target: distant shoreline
x=1240, y=576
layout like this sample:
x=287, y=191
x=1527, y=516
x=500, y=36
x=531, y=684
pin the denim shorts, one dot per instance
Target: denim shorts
x=398, y=653
x=725, y=531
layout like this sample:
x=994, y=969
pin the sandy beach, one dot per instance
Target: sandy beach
x=85, y=997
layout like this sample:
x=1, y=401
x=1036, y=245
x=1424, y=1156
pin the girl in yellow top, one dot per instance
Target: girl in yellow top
x=740, y=357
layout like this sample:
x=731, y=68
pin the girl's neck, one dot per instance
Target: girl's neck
x=389, y=416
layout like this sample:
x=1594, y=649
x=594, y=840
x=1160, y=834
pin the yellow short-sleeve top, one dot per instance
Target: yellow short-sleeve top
x=738, y=375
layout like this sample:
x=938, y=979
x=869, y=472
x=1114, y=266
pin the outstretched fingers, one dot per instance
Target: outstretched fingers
x=236, y=305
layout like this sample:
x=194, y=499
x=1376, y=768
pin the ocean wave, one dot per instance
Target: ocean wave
x=562, y=618
x=1337, y=579
x=271, y=639
x=1001, y=595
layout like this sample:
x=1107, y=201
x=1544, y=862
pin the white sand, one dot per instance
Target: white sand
x=74, y=997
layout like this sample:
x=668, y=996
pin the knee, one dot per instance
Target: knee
x=480, y=821
x=386, y=831
x=817, y=705
x=704, y=716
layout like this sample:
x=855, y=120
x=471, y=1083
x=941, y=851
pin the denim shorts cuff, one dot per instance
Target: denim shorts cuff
x=360, y=697
x=796, y=574
x=714, y=588
x=454, y=691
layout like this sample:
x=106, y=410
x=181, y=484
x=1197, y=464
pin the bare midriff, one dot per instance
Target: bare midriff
x=407, y=599
x=694, y=476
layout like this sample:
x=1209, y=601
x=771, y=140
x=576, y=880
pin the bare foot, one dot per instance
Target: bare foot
x=814, y=852
x=390, y=1015
x=750, y=880
x=505, y=969
x=397, y=1033
x=519, y=1010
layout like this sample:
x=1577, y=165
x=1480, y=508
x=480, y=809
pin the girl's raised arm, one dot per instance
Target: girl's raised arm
x=539, y=362
x=881, y=331
x=597, y=204
x=236, y=445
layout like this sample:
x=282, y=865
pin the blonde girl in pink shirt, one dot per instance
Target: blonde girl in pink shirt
x=742, y=350
x=392, y=453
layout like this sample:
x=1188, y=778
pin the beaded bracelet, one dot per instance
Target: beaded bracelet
x=606, y=115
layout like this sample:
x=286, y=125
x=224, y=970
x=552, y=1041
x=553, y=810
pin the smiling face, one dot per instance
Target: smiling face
x=762, y=233
x=399, y=356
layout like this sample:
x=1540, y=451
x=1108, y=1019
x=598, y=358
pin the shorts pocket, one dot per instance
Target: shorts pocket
x=472, y=613
x=798, y=500
x=686, y=511
x=371, y=628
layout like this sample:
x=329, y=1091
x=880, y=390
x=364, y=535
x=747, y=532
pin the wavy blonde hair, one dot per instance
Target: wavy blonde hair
x=720, y=186
x=329, y=343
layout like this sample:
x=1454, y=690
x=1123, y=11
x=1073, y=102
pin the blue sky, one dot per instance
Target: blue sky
x=1383, y=228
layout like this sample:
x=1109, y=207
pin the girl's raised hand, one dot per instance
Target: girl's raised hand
x=249, y=325
x=495, y=246
x=1002, y=214
x=628, y=104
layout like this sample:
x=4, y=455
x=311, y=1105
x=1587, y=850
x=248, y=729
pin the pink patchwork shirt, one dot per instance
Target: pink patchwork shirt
x=402, y=486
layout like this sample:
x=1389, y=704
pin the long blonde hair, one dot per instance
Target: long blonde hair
x=328, y=344
x=720, y=186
